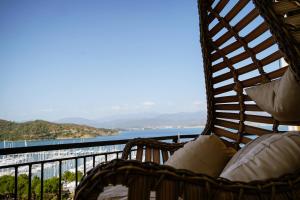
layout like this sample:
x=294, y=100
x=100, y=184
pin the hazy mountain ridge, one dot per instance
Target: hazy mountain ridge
x=40, y=129
x=78, y=121
x=184, y=119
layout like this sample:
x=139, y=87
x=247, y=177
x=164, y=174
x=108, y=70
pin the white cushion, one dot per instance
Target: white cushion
x=118, y=192
x=271, y=157
x=206, y=155
x=280, y=98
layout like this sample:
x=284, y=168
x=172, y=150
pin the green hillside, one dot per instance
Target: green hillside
x=35, y=130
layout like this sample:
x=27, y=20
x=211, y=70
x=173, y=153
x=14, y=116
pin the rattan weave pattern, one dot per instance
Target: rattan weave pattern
x=242, y=43
x=182, y=183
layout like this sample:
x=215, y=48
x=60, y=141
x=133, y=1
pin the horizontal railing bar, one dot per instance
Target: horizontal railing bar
x=30, y=149
x=57, y=160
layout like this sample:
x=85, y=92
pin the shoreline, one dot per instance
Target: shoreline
x=146, y=132
x=60, y=138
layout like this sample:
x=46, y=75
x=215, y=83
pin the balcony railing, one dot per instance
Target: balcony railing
x=77, y=157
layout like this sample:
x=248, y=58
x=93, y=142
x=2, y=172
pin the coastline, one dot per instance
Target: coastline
x=119, y=135
x=85, y=136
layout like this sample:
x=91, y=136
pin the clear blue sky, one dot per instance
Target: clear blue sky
x=95, y=58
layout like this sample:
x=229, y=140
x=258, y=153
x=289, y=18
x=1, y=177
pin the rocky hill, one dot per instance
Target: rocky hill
x=39, y=129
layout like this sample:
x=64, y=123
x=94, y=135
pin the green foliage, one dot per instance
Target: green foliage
x=36, y=187
x=70, y=176
x=6, y=184
x=79, y=175
x=22, y=186
x=51, y=186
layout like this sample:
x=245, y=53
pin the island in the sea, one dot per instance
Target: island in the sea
x=39, y=129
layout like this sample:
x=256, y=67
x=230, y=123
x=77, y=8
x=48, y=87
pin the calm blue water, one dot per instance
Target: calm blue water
x=120, y=136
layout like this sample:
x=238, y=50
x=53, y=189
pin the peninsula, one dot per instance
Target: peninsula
x=39, y=129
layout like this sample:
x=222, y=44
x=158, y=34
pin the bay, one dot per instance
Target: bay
x=128, y=134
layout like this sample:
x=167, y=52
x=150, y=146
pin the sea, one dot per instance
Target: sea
x=127, y=134
x=51, y=169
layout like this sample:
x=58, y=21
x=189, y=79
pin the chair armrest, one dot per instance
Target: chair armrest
x=152, y=150
x=170, y=183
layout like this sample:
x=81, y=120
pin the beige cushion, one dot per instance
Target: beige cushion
x=206, y=155
x=280, y=98
x=269, y=156
x=244, y=151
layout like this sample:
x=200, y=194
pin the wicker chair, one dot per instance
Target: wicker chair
x=234, y=59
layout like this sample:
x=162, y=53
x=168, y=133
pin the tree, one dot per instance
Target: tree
x=36, y=187
x=7, y=184
x=51, y=185
x=23, y=186
x=70, y=176
x=79, y=175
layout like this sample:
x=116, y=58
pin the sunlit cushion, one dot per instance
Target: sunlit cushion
x=280, y=98
x=269, y=156
x=206, y=155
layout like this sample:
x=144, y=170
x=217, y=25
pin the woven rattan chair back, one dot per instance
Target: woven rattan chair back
x=243, y=44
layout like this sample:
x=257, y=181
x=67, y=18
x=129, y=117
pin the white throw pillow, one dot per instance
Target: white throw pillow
x=206, y=155
x=118, y=192
x=280, y=98
x=271, y=157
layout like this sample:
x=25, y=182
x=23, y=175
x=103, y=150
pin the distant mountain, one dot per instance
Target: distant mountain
x=39, y=129
x=184, y=119
x=77, y=120
x=160, y=121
